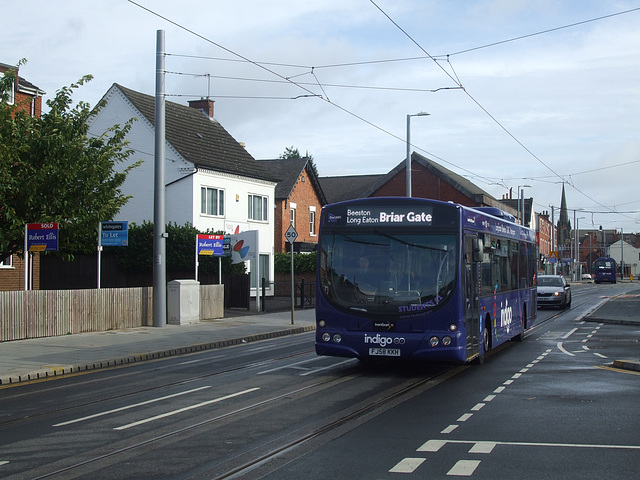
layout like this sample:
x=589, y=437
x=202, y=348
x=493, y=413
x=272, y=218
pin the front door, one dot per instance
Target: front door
x=471, y=298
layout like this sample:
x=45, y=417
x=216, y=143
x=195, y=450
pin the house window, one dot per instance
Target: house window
x=292, y=209
x=258, y=208
x=211, y=201
x=7, y=262
x=264, y=272
x=11, y=93
x=312, y=220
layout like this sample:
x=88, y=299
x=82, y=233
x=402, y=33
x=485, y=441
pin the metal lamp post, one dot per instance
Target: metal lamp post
x=578, y=269
x=575, y=243
x=408, y=164
x=521, y=202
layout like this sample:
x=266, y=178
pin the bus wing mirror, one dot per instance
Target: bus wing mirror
x=478, y=247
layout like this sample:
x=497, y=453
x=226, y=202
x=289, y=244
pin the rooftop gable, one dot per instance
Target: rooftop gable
x=287, y=171
x=349, y=187
x=199, y=139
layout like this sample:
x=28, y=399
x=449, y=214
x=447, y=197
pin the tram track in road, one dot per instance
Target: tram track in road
x=354, y=416
x=576, y=303
x=16, y=395
x=270, y=447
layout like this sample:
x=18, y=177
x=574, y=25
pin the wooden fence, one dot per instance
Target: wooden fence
x=48, y=313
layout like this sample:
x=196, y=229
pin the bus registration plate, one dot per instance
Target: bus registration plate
x=384, y=352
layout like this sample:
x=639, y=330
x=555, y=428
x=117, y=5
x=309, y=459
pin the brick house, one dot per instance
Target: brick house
x=545, y=235
x=27, y=97
x=298, y=201
x=428, y=179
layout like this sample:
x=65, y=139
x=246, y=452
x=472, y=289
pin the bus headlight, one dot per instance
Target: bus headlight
x=453, y=327
x=446, y=341
x=337, y=338
x=433, y=341
x=322, y=323
x=326, y=337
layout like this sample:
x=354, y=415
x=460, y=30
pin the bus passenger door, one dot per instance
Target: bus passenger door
x=471, y=297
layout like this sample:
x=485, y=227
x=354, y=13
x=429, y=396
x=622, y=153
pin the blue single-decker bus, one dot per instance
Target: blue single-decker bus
x=412, y=278
x=604, y=270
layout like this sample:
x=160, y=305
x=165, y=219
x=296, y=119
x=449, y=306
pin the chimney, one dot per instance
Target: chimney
x=205, y=105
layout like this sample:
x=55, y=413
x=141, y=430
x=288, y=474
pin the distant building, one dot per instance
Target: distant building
x=428, y=179
x=627, y=256
x=545, y=236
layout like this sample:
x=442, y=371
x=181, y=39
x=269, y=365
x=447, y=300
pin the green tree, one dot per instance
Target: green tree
x=52, y=171
x=138, y=255
x=293, y=152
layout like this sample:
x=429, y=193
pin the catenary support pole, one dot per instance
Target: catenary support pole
x=159, y=235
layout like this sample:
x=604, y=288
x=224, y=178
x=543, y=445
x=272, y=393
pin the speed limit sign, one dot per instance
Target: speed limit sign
x=291, y=234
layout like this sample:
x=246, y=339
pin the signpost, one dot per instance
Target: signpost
x=291, y=236
x=38, y=237
x=210, y=245
x=111, y=234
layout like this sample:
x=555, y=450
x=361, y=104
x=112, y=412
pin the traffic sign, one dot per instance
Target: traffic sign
x=291, y=234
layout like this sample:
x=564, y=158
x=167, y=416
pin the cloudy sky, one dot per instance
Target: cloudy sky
x=520, y=92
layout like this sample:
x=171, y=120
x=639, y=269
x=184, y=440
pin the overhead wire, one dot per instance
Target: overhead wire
x=474, y=100
x=310, y=93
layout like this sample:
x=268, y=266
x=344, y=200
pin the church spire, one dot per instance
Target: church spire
x=564, y=213
x=564, y=226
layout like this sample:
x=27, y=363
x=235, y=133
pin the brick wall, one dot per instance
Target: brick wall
x=303, y=195
x=13, y=278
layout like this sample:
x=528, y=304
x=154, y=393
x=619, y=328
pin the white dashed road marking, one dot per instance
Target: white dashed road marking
x=464, y=468
x=408, y=465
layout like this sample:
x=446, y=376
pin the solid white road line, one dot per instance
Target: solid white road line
x=109, y=412
x=185, y=409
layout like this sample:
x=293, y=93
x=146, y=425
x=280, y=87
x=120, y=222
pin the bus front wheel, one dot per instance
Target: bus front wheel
x=486, y=342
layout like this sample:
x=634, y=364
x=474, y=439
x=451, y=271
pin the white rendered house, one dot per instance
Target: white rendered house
x=211, y=181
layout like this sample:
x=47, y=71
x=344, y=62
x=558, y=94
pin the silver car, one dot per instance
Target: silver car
x=553, y=290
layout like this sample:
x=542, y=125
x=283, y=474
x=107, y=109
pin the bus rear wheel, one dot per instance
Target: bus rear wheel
x=520, y=336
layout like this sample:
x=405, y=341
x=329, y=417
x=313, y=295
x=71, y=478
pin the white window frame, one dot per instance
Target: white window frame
x=220, y=201
x=12, y=93
x=263, y=214
x=7, y=262
x=312, y=220
x=293, y=207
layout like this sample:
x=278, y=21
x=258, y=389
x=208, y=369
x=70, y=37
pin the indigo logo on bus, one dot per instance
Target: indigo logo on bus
x=383, y=341
x=506, y=316
x=331, y=218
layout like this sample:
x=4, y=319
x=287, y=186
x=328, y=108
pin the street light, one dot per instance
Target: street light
x=521, y=203
x=578, y=269
x=575, y=241
x=408, y=164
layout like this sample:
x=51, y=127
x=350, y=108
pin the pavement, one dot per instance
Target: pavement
x=38, y=358
x=620, y=310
